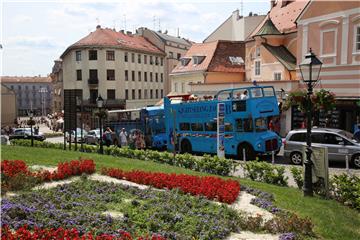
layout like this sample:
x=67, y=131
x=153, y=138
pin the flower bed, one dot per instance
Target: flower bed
x=84, y=205
x=15, y=174
x=24, y=233
x=211, y=187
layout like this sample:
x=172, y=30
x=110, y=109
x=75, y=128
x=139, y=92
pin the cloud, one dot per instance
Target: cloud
x=19, y=19
x=30, y=42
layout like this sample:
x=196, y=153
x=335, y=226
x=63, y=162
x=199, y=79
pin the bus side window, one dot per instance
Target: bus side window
x=239, y=106
x=185, y=126
x=197, y=127
x=210, y=126
x=239, y=125
x=248, y=125
x=228, y=127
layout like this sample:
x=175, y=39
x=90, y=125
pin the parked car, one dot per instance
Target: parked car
x=92, y=137
x=339, y=143
x=25, y=133
x=79, y=138
x=4, y=140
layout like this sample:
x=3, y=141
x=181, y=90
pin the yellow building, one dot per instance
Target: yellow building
x=8, y=106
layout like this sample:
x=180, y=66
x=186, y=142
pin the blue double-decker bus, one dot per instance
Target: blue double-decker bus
x=191, y=126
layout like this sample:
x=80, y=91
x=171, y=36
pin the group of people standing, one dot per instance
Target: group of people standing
x=135, y=140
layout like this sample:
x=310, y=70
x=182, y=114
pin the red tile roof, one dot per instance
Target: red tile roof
x=16, y=79
x=216, y=55
x=284, y=16
x=106, y=37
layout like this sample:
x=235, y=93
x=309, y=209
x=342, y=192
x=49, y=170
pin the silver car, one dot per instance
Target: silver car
x=340, y=144
x=92, y=137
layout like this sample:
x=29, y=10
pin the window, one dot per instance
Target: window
x=133, y=94
x=184, y=126
x=126, y=57
x=133, y=75
x=139, y=76
x=26, y=87
x=161, y=77
x=277, y=76
x=132, y=57
x=145, y=94
x=298, y=137
x=139, y=93
x=92, y=55
x=228, y=127
x=182, y=87
x=156, y=77
x=260, y=125
x=151, y=93
x=157, y=61
x=33, y=87
x=145, y=59
x=197, y=127
x=162, y=93
x=257, y=68
x=171, y=54
x=111, y=94
x=110, y=74
x=19, y=87
x=268, y=92
x=93, y=74
x=156, y=94
x=317, y=137
x=151, y=60
x=175, y=87
x=256, y=92
x=126, y=75
x=257, y=52
x=161, y=61
x=211, y=126
x=239, y=106
x=145, y=76
x=151, y=77
x=78, y=55
x=139, y=58
x=248, y=125
x=357, y=38
x=126, y=94
x=178, y=56
x=78, y=75
x=185, y=61
x=198, y=59
x=110, y=55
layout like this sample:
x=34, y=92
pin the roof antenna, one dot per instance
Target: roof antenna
x=154, y=23
x=124, y=22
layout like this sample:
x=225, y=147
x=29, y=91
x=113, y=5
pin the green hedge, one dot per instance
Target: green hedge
x=206, y=163
x=265, y=172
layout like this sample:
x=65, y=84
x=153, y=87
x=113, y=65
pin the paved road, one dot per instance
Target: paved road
x=55, y=139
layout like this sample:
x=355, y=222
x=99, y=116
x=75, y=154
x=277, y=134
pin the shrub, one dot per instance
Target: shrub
x=346, y=189
x=211, y=187
x=298, y=175
x=265, y=172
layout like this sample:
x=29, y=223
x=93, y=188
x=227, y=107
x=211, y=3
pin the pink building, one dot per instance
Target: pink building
x=332, y=30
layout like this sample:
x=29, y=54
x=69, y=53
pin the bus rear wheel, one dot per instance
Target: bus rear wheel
x=249, y=152
x=186, y=146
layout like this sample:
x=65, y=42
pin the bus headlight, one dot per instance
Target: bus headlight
x=259, y=145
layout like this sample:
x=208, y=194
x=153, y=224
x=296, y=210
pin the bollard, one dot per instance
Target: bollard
x=347, y=164
x=273, y=157
x=244, y=155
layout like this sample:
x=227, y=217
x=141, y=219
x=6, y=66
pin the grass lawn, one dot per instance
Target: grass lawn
x=331, y=219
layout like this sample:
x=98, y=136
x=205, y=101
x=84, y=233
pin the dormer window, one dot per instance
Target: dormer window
x=198, y=59
x=236, y=60
x=184, y=61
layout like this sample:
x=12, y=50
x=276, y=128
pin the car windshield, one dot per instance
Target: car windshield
x=348, y=135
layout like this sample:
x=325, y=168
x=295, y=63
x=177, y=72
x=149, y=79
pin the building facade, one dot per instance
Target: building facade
x=32, y=93
x=332, y=30
x=235, y=27
x=174, y=48
x=206, y=64
x=125, y=69
x=58, y=92
x=8, y=106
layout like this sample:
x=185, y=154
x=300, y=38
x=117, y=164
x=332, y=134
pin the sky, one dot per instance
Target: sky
x=35, y=33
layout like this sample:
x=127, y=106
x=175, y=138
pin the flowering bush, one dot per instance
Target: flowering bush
x=68, y=169
x=211, y=187
x=61, y=234
x=11, y=168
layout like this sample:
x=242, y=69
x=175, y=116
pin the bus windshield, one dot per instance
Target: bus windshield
x=260, y=125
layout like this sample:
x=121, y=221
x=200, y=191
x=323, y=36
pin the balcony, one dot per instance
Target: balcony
x=93, y=81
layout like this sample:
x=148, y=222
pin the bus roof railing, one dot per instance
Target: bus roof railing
x=231, y=90
x=124, y=110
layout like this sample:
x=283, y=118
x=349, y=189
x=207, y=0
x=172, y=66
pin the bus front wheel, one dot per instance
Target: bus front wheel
x=249, y=152
x=186, y=146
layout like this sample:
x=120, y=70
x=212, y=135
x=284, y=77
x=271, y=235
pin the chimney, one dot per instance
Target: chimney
x=250, y=14
x=122, y=31
x=98, y=27
x=272, y=3
x=128, y=33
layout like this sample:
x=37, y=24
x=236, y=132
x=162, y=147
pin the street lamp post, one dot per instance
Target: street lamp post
x=31, y=114
x=310, y=69
x=100, y=105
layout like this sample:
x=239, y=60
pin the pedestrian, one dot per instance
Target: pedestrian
x=123, y=138
x=108, y=139
x=271, y=125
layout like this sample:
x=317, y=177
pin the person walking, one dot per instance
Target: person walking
x=123, y=138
